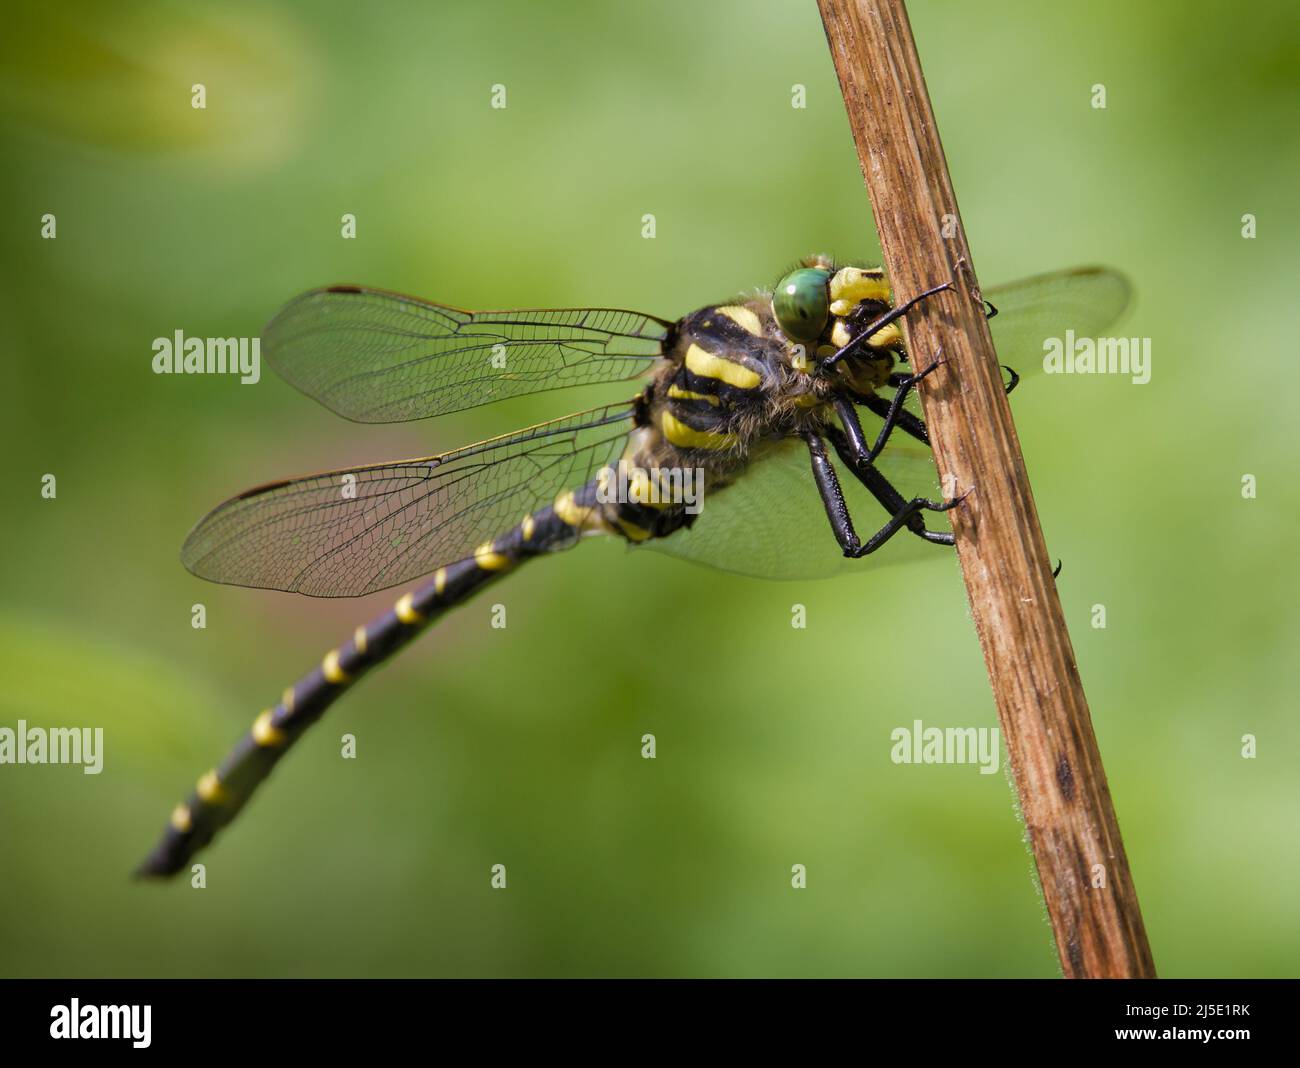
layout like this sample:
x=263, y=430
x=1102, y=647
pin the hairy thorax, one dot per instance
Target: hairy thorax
x=730, y=384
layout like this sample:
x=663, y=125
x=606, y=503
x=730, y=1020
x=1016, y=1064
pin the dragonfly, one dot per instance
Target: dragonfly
x=727, y=456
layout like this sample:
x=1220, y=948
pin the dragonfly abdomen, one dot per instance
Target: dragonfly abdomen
x=221, y=792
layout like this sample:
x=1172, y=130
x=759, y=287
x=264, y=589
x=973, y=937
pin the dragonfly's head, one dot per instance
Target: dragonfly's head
x=821, y=309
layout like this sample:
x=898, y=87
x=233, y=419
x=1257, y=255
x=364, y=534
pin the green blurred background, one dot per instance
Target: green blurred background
x=521, y=747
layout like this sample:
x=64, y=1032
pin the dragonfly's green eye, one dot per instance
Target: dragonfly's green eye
x=801, y=303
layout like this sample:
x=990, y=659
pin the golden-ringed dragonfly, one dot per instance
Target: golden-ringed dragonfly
x=740, y=401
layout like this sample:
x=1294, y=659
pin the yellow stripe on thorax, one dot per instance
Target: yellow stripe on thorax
x=743, y=317
x=706, y=365
x=687, y=437
x=677, y=393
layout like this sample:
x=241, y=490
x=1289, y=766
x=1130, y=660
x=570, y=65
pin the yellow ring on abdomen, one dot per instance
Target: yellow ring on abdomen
x=406, y=611
x=332, y=669
x=489, y=559
x=265, y=733
x=210, y=790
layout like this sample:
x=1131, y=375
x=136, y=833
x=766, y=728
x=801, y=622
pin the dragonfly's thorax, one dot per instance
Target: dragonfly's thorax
x=730, y=380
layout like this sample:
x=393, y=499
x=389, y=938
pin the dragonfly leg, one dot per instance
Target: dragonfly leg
x=904, y=513
x=903, y=419
x=853, y=454
x=891, y=409
x=896, y=380
x=892, y=415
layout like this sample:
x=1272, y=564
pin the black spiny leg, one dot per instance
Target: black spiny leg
x=906, y=514
x=850, y=445
x=896, y=380
x=891, y=409
x=903, y=419
x=894, y=413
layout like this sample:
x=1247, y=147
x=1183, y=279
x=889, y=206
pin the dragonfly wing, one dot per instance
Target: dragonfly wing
x=353, y=531
x=379, y=357
x=1085, y=300
x=771, y=522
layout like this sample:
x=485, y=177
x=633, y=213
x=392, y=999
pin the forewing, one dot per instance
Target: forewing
x=379, y=357
x=353, y=531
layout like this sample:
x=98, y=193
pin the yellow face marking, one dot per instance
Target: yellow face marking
x=181, y=819
x=489, y=559
x=287, y=698
x=405, y=609
x=440, y=581
x=851, y=285
x=332, y=669
x=889, y=337
x=210, y=790
x=265, y=733
x=677, y=393
x=743, y=317
x=687, y=437
x=360, y=640
x=706, y=365
x=527, y=527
